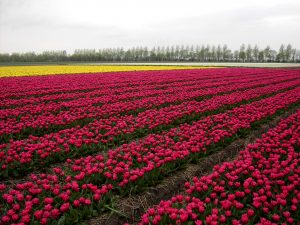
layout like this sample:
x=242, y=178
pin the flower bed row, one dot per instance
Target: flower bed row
x=108, y=96
x=83, y=185
x=262, y=186
x=37, y=86
x=25, y=155
x=74, y=115
x=134, y=86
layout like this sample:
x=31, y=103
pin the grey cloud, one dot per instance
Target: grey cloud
x=37, y=25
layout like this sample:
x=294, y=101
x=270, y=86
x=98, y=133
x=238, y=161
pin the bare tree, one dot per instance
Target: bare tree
x=225, y=53
x=281, y=54
x=219, y=53
x=261, y=56
x=255, y=53
x=249, y=53
x=288, y=52
x=236, y=55
x=267, y=53
x=293, y=54
x=242, y=54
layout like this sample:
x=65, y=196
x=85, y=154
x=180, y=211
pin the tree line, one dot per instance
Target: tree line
x=188, y=53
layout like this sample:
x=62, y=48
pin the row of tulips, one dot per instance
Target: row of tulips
x=24, y=155
x=96, y=91
x=81, y=186
x=262, y=186
x=40, y=86
x=22, y=87
x=74, y=114
x=92, y=81
x=134, y=86
x=108, y=95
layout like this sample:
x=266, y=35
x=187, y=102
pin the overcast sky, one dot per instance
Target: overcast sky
x=37, y=25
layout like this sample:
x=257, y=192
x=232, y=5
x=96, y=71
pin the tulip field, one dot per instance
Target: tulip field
x=261, y=186
x=74, y=140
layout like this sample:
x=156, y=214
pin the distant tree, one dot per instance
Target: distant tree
x=160, y=53
x=281, y=54
x=236, y=55
x=225, y=53
x=202, y=53
x=267, y=53
x=288, y=52
x=249, y=53
x=4, y=57
x=242, y=54
x=197, y=53
x=294, y=54
x=191, y=54
x=255, y=53
x=172, y=53
x=219, y=53
x=207, y=53
x=273, y=55
x=213, y=54
x=177, y=53
x=186, y=53
x=261, y=56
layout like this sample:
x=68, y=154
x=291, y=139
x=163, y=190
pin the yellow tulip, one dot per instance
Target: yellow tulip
x=10, y=71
